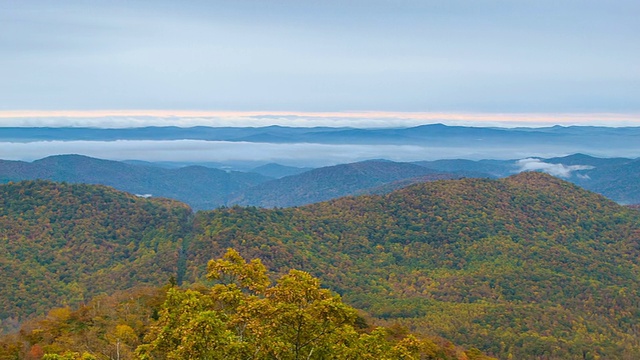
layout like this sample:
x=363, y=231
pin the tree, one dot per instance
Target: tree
x=245, y=316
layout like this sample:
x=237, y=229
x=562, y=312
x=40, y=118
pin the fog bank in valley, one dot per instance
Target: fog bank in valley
x=290, y=154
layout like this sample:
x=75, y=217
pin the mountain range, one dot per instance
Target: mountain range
x=332, y=182
x=615, y=178
x=275, y=185
x=435, y=133
x=201, y=187
x=207, y=188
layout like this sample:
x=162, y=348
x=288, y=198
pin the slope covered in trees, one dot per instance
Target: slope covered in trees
x=242, y=316
x=62, y=244
x=528, y=266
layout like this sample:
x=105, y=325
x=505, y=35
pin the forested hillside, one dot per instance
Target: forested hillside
x=242, y=316
x=528, y=266
x=62, y=244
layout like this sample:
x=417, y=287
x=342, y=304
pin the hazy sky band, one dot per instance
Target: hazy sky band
x=185, y=118
x=551, y=56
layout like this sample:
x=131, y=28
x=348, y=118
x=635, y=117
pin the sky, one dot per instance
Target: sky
x=414, y=61
x=357, y=63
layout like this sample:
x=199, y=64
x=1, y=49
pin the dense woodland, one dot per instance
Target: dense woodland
x=241, y=316
x=524, y=267
x=62, y=244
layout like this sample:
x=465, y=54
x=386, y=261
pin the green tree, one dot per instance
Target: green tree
x=245, y=316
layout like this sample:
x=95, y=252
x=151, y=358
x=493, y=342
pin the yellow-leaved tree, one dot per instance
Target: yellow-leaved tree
x=245, y=316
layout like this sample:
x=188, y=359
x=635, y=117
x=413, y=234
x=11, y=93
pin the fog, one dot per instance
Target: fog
x=559, y=170
x=288, y=154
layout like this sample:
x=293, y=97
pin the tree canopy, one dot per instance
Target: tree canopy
x=245, y=316
x=241, y=315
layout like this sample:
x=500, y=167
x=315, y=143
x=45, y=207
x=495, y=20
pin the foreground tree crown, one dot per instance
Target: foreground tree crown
x=243, y=315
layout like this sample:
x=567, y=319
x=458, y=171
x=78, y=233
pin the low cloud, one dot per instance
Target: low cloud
x=302, y=154
x=215, y=151
x=559, y=170
x=223, y=151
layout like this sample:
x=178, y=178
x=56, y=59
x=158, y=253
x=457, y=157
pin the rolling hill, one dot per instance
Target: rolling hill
x=528, y=266
x=206, y=188
x=61, y=244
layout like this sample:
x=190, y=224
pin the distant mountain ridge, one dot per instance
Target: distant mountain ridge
x=200, y=187
x=471, y=168
x=208, y=188
x=434, y=134
x=332, y=182
x=278, y=171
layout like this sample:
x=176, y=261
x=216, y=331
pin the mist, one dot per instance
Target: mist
x=559, y=170
x=302, y=154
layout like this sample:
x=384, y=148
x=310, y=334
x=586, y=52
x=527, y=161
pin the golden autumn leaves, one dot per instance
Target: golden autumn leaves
x=245, y=316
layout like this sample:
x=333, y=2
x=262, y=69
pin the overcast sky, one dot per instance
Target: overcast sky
x=475, y=56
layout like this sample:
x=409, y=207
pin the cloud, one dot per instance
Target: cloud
x=559, y=170
x=302, y=154
x=223, y=151
x=211, y=151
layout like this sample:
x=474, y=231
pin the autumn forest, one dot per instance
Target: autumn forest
x=528, y=266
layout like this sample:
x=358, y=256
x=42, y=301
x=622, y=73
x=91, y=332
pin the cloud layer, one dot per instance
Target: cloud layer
x=222, y=151
x=291, y=154
x=559, y=170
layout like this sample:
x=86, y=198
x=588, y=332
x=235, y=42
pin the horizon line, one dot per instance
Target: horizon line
x=355, y=118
